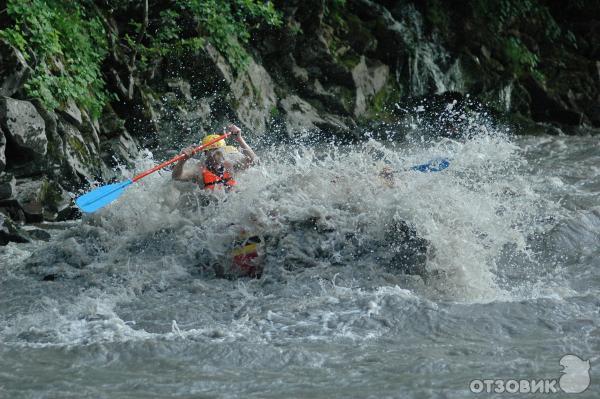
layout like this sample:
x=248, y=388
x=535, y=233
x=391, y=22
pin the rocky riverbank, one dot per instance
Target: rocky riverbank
x=330, y=66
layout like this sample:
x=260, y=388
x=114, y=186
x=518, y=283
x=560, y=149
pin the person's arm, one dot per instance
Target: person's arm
x=249, y=155
x=387, y=176
x=179, y=172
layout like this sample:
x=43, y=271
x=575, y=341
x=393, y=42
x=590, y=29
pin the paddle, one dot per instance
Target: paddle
x=101, y=196
x=435, y=165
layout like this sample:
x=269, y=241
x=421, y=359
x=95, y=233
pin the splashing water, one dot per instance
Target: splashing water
x=338, y=242
x=323, y=206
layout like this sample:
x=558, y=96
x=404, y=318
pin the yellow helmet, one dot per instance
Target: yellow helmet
x=211, y=137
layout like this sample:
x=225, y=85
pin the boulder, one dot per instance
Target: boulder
x=55, y=166
x=119, y=150
x=90, y=130
x=2, y=151
x=252, y=92
x=13, y=69
x=391, y=35
x=255, y=110
x=28, y=199
x=548, y=106
x=37, y=234
x=56, y=202
x=301, y=117
x=80, y=155
x=7, y=186
x=25, y=129
x=33, y=201
x=9, y=231
x=181, y=88
x=117, y=146
x=369, y=78
x=110, y=124
x=72, y=113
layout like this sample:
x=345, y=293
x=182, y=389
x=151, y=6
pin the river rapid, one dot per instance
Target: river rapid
x=125, y=303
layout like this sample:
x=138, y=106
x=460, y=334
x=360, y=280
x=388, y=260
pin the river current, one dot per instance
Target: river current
x=125, y=304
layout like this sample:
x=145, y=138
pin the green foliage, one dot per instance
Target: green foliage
x=384, y=102
x=64, y=46
x=521, y=59
x=437, y=16
x=332, y=11
x=65, y=42
x=225, y=24
x=507, y=20
x=274, y=112
x=503, y=15
x=50, y=194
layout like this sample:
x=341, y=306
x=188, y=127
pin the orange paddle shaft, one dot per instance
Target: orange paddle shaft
x=177, y=158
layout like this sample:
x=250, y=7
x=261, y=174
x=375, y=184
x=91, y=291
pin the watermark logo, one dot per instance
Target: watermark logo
x=575, y=378
x=576, y=374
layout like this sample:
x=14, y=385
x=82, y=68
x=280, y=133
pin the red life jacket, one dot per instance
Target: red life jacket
x=212, y=180
x=246, y=261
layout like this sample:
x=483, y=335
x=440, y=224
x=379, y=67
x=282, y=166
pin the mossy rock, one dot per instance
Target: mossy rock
x=383, y=104
x=51, y=195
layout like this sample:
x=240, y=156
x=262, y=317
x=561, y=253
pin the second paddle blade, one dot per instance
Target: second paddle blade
x=435, y=165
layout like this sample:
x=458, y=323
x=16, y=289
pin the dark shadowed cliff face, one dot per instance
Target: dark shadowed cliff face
x=86, y=84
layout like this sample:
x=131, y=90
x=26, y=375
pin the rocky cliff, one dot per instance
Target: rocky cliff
x=86, y=84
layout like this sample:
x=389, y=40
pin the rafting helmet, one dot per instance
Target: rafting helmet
x=212, y=137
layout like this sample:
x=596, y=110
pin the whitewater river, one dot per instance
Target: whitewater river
x=125, y=304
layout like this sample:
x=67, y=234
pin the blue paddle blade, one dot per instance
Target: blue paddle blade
x=435, y=165
x=101, y=196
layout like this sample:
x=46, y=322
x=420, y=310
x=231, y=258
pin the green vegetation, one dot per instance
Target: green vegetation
x=50, y=194
x=383, y=104
x=520, y=59
x=332, y=11
x=225, y=24
x=65, y=42
x=509, y=22
x=504, y=15
x=64, y=46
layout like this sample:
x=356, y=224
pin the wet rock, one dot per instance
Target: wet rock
x=110, y=124
x=252, y=92
x=2, y=150
x=69, y=211
x=119, y=150
x=546, y=106
x=391, y=35
x=13, y=69
x=334, y=98
x=181, y=88
x=56, y=202
x=23, y=126
x=33, y=201
x=407, y=251
x=7, y=186
x=72, y=113
x=90, y=130
x=144, y=121
x=117, y=145
x=370, y=78
x=55, y=166
x=80, y=155
x=301, y=117
x=28, y=199
x=37, y=234
x=10, y=232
